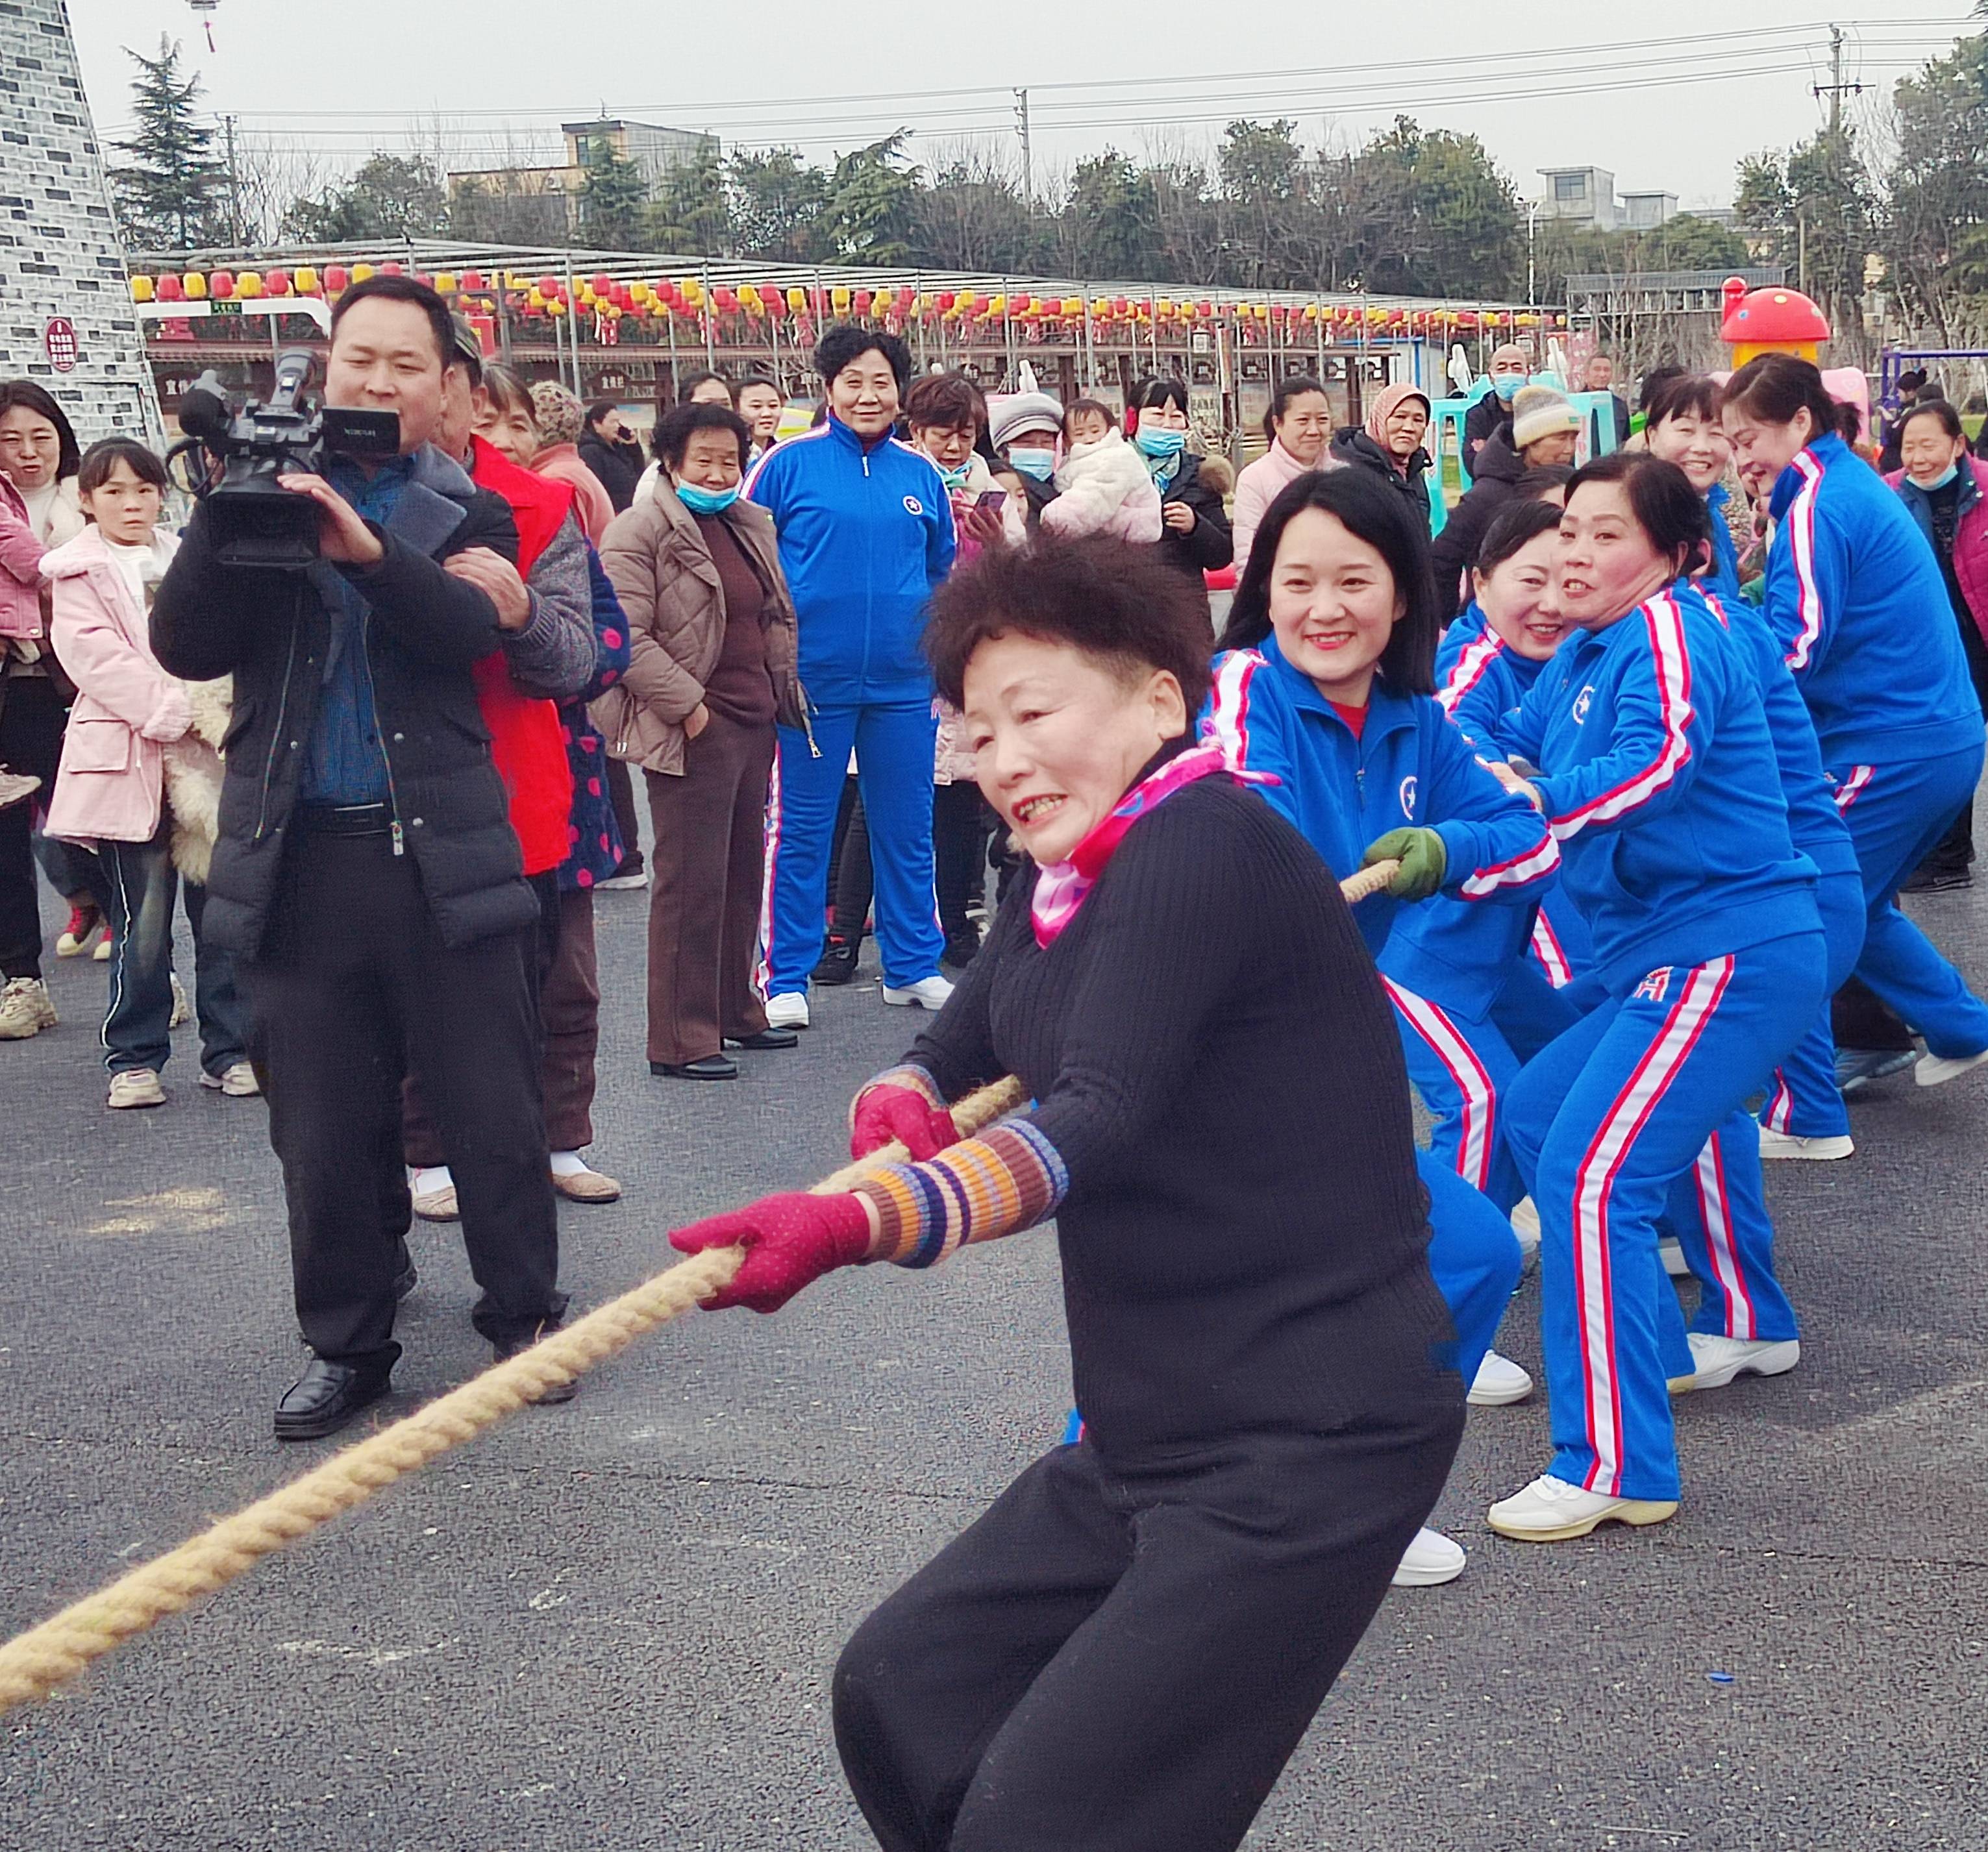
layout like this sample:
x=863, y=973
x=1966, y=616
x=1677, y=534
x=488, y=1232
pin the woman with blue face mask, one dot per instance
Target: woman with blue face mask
x=1195, y=535
x=1027, y=436
x=713, y=647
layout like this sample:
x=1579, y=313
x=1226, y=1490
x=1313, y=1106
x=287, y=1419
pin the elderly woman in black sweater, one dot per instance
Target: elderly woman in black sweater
x=1121, y=1653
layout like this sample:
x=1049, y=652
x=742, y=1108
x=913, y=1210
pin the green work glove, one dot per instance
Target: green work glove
x=1423, y=859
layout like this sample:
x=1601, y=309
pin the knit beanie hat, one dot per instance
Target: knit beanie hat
x=1025, y=411
x=1537, y=412
x=558, y=414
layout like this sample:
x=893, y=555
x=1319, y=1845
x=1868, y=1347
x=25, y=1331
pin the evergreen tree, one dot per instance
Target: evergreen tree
x=870, y=198
x=174, y=194
x=394, y=196
x=614, y=197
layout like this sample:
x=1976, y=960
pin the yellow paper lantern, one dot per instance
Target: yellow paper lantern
x=307, y=281
x=838, y=299
x=361, y=272
x=535, y=298
x=142, y=288
x=796, y=299
x=249, y=284
x=195, y=284
x=555, y=308
x=446, y=281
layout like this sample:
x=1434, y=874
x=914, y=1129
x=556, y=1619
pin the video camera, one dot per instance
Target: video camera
x=253, y=519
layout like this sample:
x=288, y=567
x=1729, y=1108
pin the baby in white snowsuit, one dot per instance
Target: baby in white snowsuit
x=1103, y=486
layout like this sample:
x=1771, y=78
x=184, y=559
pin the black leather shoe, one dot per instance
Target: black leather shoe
x=961, y=949
x=838, y=963
x=712, y=1067
x=328, y=1395
x=766, y=1038
x=405, y=1278
x=559, y=1392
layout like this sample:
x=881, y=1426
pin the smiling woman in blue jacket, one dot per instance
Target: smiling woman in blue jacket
x=866, y=536
x=1858, y=605
x=1659, y=780
x=1324, y=688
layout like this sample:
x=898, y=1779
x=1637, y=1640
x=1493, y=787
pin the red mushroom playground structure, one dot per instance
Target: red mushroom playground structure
x=1777, y=319
x=627, y=327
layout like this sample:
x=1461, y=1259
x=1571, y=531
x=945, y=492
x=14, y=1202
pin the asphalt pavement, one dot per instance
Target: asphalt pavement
x=609, y=1626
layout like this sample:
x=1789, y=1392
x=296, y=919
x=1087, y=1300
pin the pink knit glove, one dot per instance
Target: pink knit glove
x=885, y=1112
x=790, y=1241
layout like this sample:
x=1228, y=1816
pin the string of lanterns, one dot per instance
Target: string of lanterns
x=894, y=306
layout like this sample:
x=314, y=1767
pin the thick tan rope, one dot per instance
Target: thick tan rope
x=34, y=1663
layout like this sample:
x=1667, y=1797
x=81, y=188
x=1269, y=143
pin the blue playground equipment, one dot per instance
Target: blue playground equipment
x=1446, y=417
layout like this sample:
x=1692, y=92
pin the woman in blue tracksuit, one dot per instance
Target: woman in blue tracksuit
x=1476, y=988
x=1856, y=601
x=1684, y=427
x=1657, y=778
x=1324, y=685
x=866, y=535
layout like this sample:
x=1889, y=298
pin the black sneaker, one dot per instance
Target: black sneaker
x=1856, y=1068
x=838, y=963
x=1937, y=880
x=545, y=1398
x=960, y=949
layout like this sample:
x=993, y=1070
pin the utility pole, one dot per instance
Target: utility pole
x=235, y=236
x=1836, y=89
x=1028, y=168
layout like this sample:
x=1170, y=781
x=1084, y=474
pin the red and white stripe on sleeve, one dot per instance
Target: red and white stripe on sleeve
x=1228, y=709
x=1801, y=546
x=1671, y=660
x=1469, y=669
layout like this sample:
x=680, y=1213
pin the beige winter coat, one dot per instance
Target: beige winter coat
x=674, y=602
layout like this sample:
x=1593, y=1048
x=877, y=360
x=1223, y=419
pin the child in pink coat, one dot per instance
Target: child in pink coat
x=110, y=793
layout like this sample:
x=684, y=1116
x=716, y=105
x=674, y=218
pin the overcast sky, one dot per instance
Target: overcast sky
x=1661, y=114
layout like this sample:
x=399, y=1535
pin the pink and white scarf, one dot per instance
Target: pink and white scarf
x=1062, y=887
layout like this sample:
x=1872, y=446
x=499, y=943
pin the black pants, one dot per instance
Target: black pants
x=352, y=979
x=1107, y=1664
x=959, y=854
x=621, y=794
x=32, y=715
x=855, y=880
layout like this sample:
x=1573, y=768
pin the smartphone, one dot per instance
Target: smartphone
x=992, y=501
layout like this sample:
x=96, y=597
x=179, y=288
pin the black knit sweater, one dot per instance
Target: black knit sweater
x=1243, y=1240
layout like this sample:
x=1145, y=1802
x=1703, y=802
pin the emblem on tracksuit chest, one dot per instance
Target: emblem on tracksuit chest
x=1407, y=795
x=1582, y=702
x=914, y=507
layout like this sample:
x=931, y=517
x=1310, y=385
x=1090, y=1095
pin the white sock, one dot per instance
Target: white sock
x=425, y=1182
x=568, y=1163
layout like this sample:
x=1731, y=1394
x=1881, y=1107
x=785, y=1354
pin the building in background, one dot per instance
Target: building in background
x=1581, y=196
x=1645, y=211
x=543, y=203
x=66, y=317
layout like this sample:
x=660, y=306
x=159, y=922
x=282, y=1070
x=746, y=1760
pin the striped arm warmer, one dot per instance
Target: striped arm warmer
x=1010, y=1177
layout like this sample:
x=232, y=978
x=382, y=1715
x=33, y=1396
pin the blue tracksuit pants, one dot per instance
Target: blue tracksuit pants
x=1802, y=1099
x=1602, y=1124
x=1474, y=1257
x=1896, y=813
x=894, y=761
x=1462, y=1066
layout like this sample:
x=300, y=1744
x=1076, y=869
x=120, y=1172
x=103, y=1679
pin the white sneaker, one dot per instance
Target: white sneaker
x=927, y=993
x=1937, y=1070
x=1550, y=1511
x=237, y=1081
x=1526, y=1224
x=1720, y=1358
x=618, y=883
x=182, y=1010
x=1672, y=1256
x=26, y=1009
x=1499, y=1383
x=105, y=948
x=1791, y=1144
x=134, y=1087
x=789, y=1010
x=1431, y=1560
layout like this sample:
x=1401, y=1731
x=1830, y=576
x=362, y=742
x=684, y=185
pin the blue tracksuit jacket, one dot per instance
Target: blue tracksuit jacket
x=866, y=536
x=1409, y=767
x=1477, y=677
x=1657, y=719
x=1723, y=578
x=1855, y=597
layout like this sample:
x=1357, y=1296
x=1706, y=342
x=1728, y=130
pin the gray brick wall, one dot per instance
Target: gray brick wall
x=58, y=250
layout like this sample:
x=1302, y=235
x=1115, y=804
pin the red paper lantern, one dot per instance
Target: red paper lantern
x=389, y=269
x=908, y=297
x=221, y=285
x=770, y=300
x=337, y=277
x=472, y=279
x=549, y=287
x=277, y=282
x=169, y=288
x=726, y=299
x=1204, y=310
x=946, y=301
x=862, y=301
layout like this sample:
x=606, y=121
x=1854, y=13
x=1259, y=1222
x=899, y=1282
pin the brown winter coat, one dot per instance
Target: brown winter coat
x=670, y=591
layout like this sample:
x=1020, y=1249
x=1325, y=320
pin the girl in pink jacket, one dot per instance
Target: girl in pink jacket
x=109, y=792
